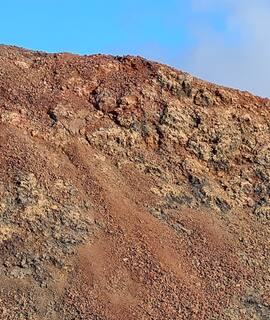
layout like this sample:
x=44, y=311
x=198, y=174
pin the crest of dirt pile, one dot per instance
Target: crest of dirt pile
x=130, y=190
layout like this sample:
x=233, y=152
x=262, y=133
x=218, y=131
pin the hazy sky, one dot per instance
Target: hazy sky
x=238, y=53
x=223, y=41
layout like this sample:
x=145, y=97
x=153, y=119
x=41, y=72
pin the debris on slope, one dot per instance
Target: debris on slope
x=130, y=190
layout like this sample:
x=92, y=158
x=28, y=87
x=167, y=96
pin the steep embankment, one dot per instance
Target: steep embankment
x=130, y=190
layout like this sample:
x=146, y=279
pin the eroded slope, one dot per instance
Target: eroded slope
x=130, y=190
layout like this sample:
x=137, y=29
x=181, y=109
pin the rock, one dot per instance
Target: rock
x=187, y=88
x=104, y=100
x=203, y=98
x=263, y=212
x=20, y=273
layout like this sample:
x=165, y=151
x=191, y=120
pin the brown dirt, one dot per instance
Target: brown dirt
x=130, y=190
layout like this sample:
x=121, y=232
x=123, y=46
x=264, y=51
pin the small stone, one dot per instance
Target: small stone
x=34, y=133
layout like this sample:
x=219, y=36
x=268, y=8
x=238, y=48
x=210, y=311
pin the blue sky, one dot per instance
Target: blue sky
x=85, y=26
x=211, y=39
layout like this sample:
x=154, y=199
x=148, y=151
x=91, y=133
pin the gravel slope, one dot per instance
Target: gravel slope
x=130, y=190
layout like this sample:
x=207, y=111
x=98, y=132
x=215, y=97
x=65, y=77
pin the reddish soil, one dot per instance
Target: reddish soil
x=130, y=190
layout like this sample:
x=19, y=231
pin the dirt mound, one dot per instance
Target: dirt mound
x=130, y=190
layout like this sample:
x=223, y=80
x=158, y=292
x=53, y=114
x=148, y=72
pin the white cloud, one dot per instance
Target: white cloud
x=244, y=65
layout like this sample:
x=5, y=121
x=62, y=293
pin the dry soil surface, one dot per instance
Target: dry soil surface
x=130, y=190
